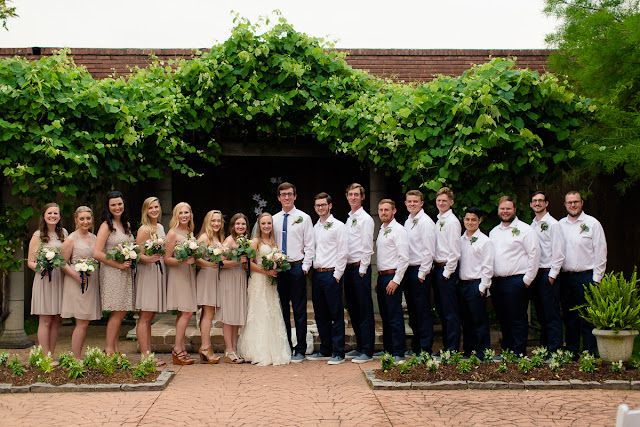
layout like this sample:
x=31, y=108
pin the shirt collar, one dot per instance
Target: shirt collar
x=581, y=218
x=544, y=218
x=418, y=215
x=445, y=215
x=329, y=219
x=475, y=234
x=356, y=213
x=514, y=224
x=391, y=224
x=292, y=212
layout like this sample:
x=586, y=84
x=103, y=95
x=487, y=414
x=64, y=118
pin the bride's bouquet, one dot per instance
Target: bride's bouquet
x=85, y=266
x=127, y=251
x=156, y=245
x=275, y=260
x=47, y=259
x=188, y=248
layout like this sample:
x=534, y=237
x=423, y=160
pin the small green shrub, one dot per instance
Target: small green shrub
x=35, y=354
x=432, y=365
x=45, y=364
x=107, y=364
x=404, y=368
x=16, y=366
x=456, y=357
x=4, y=358
x=617, y=367
x=473, y=359
x=91, y=357
x=76, y=369
x=387, y=361
x=464, y=366
x=507, y=356
x=502, y=368
x=122, y=362
x=587, y=362
x=445, y=357
x=424, y=356
x=524, y=365
x=66, y=359
x=489, y=354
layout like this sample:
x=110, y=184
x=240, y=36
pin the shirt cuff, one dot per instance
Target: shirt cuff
x=362, y=270
x=527, y=280
x=482, y=287
x=446, y=274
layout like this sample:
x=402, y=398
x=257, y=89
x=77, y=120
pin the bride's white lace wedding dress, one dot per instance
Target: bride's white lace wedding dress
x=263, y=340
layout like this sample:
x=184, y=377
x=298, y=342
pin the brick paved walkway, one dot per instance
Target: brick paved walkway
x=310, y=393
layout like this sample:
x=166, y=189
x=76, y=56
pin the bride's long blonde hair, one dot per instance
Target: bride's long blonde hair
x=270, y=240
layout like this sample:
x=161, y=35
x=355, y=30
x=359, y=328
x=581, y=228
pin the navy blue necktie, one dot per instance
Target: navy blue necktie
x=284, y=234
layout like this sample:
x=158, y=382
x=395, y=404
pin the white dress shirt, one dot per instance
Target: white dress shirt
x=448, y=232
x=551, y=243
x=360, y=229
x=422, y=242
x=300, y=245
x=331, y=246
x=517, y=250
x=585, y=245
x=476, y=259
x=393, y=249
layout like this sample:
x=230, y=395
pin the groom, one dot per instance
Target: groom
x=294, y=235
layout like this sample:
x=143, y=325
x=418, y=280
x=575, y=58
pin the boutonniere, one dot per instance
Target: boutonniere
x=415, y=222
x=298, y=220
x=354, y=221
x=584, y=227
x=441, y=225
x=515, y=232
x=473, y=240
x=328, y=225
x=387, y=231
x=544, y=226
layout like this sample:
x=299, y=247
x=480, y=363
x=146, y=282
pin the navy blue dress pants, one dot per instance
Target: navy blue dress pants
x=326, y=295
x=571, y=295
x=292, y=287
x=393, y=335
x=357, y=292
x=416, y=295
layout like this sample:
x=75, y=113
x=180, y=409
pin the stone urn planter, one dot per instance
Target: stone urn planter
x=615, y=345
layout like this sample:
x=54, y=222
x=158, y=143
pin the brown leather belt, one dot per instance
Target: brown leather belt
x=385, y=272
x=441, y=264
x=292, y=263
x=413, y=267
x=323, y=270
x=544, y=269
x=466, y=282
x=353, y=264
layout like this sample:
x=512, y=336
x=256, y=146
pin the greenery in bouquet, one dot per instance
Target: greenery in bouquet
x=275, y=260
x=47, y=259
x=127, y=251
x=85, y=266
x=214, y=253
x=188, y=248
x=155, y=245
x=243, y=248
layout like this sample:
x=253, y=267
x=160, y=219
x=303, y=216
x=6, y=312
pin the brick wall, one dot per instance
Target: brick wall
x=399, y=64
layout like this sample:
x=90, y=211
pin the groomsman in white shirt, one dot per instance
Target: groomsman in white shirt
x=585, y=262
x=445, y=270
x=544, y=289
x=294, y=235
x=357, y=276
x=517, y=258
x=416, y=284
x=476, y=271
x=393, y=259
x=330, y=260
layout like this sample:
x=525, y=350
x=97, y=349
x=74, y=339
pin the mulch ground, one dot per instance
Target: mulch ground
x=60, y=376
x=489, y=372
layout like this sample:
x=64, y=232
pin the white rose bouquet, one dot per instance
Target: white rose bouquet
x=47, y=259
x=127, y=251
x=215, y=252
x=85, y=266
x=156, y=245
x=275, y=260
x=188, y=248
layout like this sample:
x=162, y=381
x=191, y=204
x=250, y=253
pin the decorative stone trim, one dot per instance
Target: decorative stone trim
x=159, y=384
x=377, y=384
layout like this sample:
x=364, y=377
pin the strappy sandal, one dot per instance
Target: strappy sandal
x=207, y=356
x=181, y=358
x=233, y=360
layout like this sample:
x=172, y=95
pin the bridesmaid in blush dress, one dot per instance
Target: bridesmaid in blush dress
x=181, y=286
x=83, y=306
x=207, y=283
x=46, y=300
x=151, y=280
x=232, y=292
x=116, y=279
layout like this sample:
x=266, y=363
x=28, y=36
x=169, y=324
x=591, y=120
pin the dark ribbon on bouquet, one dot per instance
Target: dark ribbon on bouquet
x=82, y=282
x=249, y=268
x=220, y=265
x=47, y=271
x=159, y=264
x=134, y=267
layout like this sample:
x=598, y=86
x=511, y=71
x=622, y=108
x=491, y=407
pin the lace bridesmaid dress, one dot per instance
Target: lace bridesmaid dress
x=263, y=340
x=116, y=285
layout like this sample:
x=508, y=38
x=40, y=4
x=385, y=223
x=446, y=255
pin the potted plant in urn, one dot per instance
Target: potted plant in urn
x=613, y=307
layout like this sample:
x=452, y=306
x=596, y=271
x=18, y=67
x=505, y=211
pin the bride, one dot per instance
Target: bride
x=264, y=339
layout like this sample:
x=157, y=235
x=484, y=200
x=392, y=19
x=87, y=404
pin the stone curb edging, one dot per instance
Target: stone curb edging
x=377, y=384
x=159, y=384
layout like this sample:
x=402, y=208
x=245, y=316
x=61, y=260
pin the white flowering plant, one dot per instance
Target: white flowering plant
x=47, y=259
x=127, y=251
x=85, y=266
x=188, y=248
